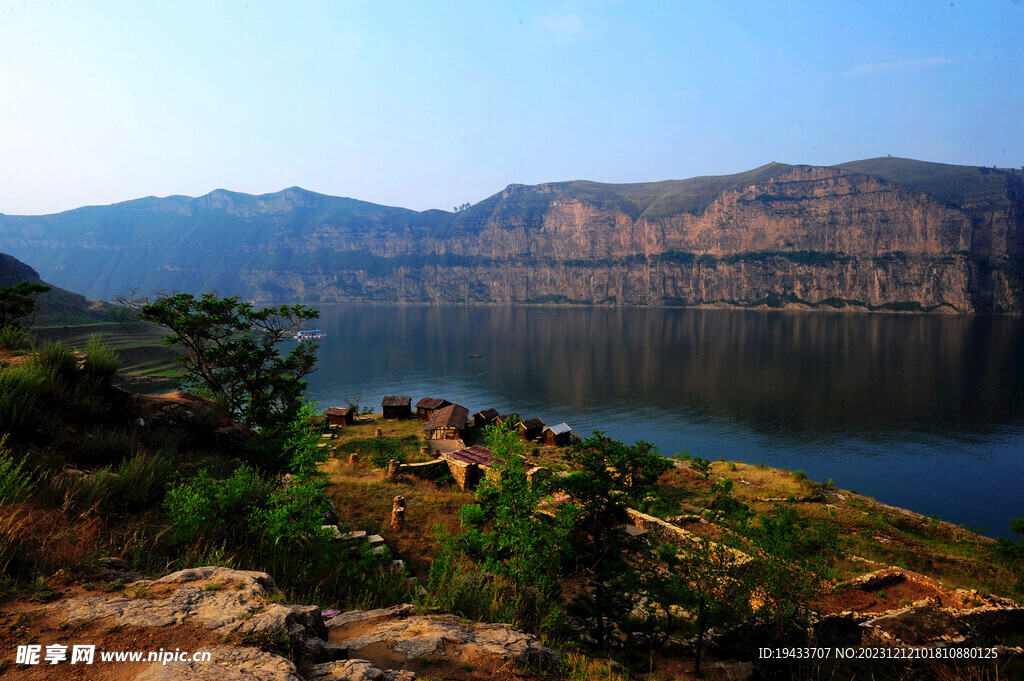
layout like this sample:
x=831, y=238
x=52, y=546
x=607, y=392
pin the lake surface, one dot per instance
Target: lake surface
x=924, y=412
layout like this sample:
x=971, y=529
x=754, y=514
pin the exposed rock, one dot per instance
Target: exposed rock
x=358, y=670
x=394, y=637
x=226, y=663
x=223, y=600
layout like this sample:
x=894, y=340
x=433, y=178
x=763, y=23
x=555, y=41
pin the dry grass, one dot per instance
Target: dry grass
x=363, y=497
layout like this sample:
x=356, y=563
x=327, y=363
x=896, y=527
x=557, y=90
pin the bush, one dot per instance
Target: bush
x=21, y=406
x=57, y=361
x=800, y=475
x=101, y=364
x=472, y=516
x=202, y=507
x=383, y=451
x=15, y=483
x=701, y=466
x=14, y=338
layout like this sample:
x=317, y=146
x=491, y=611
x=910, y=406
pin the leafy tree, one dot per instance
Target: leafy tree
x=608, y=477
x=795, y=554
x=231, y=351
x=710, y=579
x=18, y=302
x=701, y=466
x=522, y=544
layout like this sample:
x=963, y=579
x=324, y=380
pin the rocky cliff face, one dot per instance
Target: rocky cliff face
x=878, y=234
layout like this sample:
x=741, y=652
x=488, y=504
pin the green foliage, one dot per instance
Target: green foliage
x=57, y=361
x=800, y=475
x=796, y=553
x=14, y=338
x=18, y=303
x=135, y=484
x=21, y=404
x=709, y=579
x=607, y=476
x=383, y=451
x=231, y=348
x=15, y=483
x=523, y=545
x=701, y=466
x=101, y=363
x=472, y=515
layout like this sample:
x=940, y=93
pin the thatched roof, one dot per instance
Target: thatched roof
x=339, y=411
x=396, y=401
x=453, y=416
x=432, y=403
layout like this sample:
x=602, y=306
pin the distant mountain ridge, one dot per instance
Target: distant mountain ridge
x=881, y=233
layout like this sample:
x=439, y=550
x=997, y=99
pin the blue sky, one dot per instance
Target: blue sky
x=429, y=104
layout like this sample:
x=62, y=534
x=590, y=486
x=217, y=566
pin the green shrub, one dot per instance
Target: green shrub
x=701, y=466
x=192, y=507
x=383, y=451
x=57, y=361
x=15, y=483
x=472, y=516
x=21, y=406
x=14, y=338
x=800, y=475
x=143, y=481
x=101, y=364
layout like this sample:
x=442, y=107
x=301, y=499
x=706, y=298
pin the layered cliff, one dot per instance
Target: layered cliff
x=876, y=234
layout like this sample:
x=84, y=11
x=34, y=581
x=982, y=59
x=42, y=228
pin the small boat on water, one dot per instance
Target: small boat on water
x=310, y=334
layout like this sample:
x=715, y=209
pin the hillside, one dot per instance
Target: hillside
x=135, y=522
x=73, y=318
x=882, y=233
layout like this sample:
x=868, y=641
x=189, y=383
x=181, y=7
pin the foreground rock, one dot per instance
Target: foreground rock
x=395, y=637
x=231, y=615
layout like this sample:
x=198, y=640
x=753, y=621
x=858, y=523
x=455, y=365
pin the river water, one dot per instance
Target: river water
x=924, y=412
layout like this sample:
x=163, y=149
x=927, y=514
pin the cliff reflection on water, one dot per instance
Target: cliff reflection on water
x=870, y=400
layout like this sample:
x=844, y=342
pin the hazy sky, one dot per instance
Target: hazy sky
x=432, y=104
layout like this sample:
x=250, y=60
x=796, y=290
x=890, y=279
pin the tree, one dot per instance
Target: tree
x=707, y=577
x=522, y=544
x=18, y=302
x=794, y=555
x=230, y=349
x=609, y=476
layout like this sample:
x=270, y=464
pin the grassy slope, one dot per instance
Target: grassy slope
x=874, y=535
x=72, y=318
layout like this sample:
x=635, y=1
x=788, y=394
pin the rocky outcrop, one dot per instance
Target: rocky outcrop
x=220, y=599
x=397, y=637
x=231, y=614
x=889, y=234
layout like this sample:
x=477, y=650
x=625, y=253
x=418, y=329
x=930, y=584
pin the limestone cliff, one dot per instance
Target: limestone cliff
x=876, y=234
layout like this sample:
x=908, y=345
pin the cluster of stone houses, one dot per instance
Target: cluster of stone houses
x=445, y=420
x=448, y=421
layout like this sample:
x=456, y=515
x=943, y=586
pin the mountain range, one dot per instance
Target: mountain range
x=884, y=233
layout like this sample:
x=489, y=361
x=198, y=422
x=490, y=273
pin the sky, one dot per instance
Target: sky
x=434, y=104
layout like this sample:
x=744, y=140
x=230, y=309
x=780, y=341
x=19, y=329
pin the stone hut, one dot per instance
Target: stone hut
x=531, y=429
x=484, y=418
x=397, y=407
x=505, y=419
x=448, y=423
x=426, y=407
x=558, y=436
x=469, y=465
x=340, y=416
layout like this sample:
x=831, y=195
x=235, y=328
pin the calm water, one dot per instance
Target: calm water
x=921, y=412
